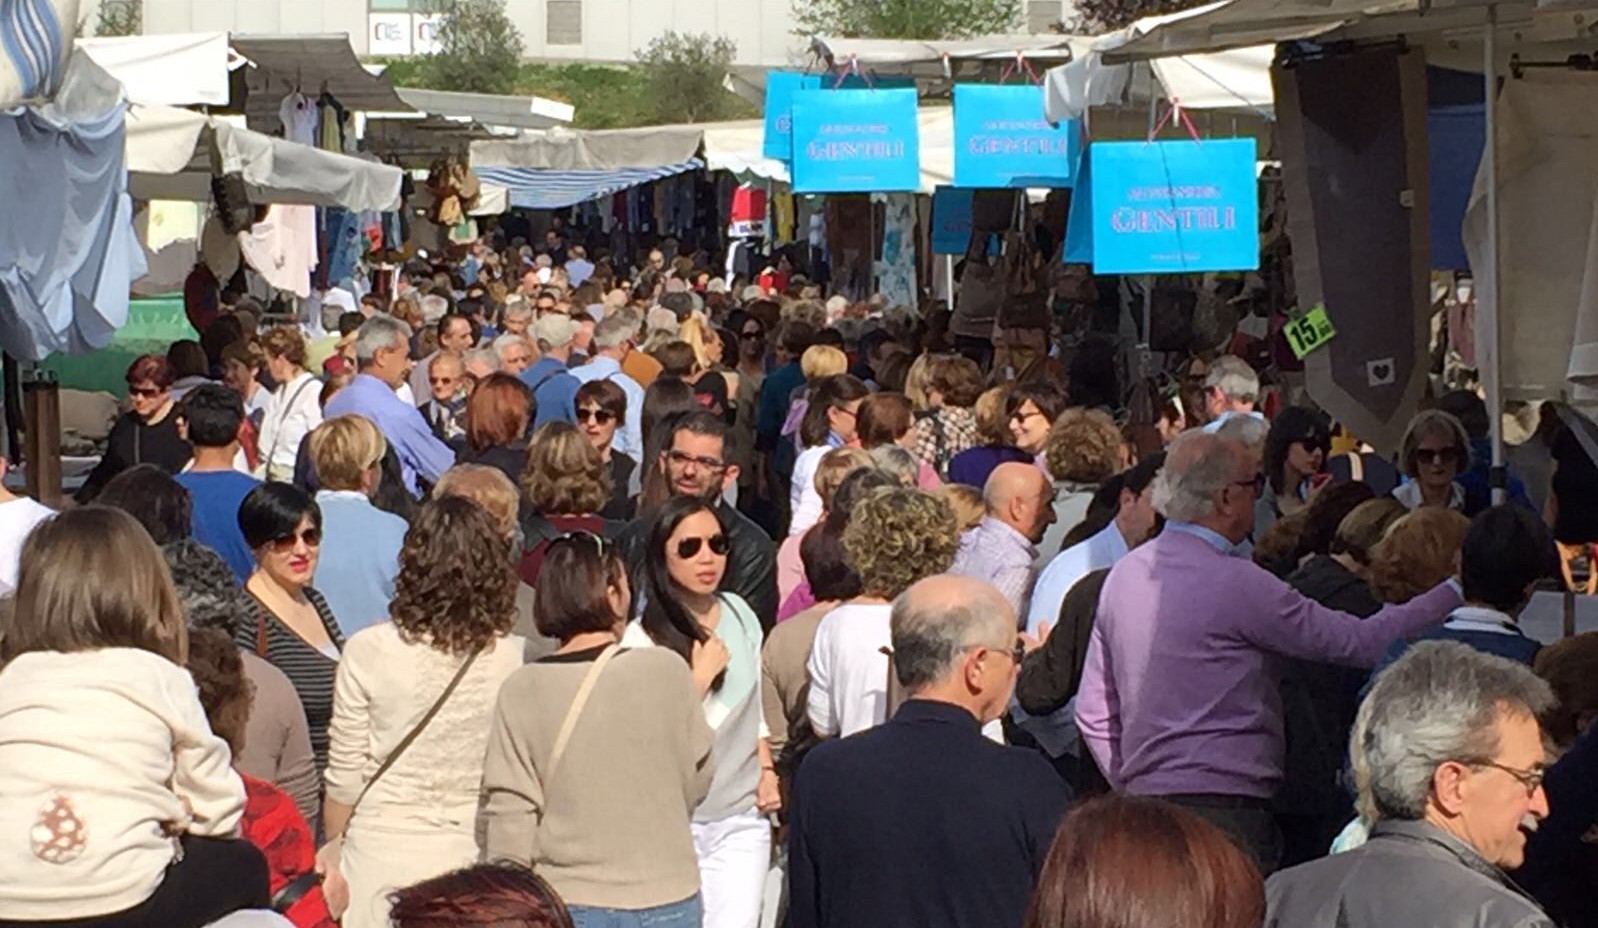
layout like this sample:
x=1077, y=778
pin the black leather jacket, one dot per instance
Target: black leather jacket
x=751, y=562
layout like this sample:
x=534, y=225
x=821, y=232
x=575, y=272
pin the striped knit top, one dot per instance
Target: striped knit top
x=310, y=670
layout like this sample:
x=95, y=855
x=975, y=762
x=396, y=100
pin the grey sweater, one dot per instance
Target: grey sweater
x=611, y=828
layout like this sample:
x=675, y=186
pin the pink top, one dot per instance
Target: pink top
x=790, y=568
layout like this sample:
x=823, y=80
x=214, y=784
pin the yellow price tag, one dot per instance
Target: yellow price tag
x=1309, y=332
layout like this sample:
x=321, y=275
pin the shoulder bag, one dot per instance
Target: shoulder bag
x=569, y=724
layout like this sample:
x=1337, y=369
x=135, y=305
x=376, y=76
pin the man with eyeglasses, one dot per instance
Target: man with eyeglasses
x=694, y=463
x=964, y=821
x=1179, y=690
x=1451, y=762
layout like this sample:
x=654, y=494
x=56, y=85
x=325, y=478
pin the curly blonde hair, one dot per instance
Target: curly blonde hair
x=896, y=537
x=565, y=475
x=456, y=590
x=1418, y=552
x=1084, y=446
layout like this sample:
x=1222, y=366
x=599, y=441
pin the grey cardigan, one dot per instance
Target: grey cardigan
x=1409, y=873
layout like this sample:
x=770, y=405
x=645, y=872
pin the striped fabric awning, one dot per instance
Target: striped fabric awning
x=532, y=188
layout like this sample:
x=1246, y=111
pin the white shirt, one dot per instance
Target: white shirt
x=296, y=410
x=97, y=750
x=1215, y=424
x=17, y=519
x=1067, y=570
x=848, y=671
x=803, y=497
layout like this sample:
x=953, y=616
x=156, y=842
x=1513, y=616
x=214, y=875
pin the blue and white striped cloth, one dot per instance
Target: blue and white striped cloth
x=35, y=41
x=534, y=188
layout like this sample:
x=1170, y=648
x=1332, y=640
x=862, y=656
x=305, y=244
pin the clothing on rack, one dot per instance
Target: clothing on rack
x=282, y=248
x=300, y=118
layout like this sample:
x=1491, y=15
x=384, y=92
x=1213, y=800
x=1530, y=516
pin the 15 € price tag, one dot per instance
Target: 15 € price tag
x=1309, y=332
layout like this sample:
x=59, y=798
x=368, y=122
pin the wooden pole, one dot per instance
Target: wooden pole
x=41, y=401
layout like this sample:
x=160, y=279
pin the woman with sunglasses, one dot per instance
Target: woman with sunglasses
x=147, y=433
x=599, y=753
x=402, y=793
x=292, y=625
x=685, y=612
x=1435, y=450
x=601, y=407
x=1296, y=449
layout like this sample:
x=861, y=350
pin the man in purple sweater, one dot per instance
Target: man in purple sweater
x=1179, y=696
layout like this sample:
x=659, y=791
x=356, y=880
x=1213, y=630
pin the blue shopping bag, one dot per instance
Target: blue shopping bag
x=777, y=141
x=1174, y=207
x=1079, y=221
x=855, y=141
x=1001, y=139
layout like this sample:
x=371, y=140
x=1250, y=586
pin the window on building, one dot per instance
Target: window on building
x=563, y=22
x=1042, y=16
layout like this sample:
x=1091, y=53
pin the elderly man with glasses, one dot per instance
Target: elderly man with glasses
x=1179, y=696
x=1449, y=759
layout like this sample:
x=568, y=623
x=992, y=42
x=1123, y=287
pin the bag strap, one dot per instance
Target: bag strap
x=569, y=724
x=282, y=420
x=260, y=630
x=414, y=733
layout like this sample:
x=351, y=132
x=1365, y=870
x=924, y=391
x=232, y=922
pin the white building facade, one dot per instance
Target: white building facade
x=577, y=30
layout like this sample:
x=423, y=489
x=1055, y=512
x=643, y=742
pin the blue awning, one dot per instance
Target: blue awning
x=533, y=188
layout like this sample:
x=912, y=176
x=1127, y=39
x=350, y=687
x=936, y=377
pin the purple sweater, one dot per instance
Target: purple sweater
x=1180, y=691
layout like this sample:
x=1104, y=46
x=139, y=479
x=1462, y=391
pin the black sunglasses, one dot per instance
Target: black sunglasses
x=1440, y=455
x=689, y=547
x=601, y=416
x=751, y=336
x=311, y=536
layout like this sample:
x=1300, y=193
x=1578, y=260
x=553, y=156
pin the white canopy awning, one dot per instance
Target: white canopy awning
x=1236, y=80
x=172, y=154
x=186, y=69
x=895, y=54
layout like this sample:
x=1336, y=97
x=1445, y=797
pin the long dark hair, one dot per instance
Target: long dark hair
x=666, y=619
x=836, y=391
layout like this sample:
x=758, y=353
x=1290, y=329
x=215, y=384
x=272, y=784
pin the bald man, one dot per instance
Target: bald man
x=1002, y=548
x=966, y=822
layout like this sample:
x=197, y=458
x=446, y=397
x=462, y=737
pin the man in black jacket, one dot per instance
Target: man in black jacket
x=694, y=464
x=922, y=822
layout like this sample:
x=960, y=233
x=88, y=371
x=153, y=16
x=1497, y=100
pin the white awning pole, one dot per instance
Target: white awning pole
x=1488, y=329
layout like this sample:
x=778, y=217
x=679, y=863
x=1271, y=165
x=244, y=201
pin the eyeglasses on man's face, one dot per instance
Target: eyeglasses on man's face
x=1531, y=779
x=1255, y=483
x=683, y=459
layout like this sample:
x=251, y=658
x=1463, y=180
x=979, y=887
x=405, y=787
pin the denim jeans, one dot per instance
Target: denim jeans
x=684, y=914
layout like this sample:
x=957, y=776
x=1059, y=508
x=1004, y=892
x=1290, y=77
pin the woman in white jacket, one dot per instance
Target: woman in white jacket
x=296, y=405
x=117, y=803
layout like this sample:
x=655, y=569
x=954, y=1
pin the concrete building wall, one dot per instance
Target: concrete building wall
x=610, y=30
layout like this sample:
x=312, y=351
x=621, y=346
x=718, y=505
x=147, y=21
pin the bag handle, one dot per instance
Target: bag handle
x=569, y=724
x=413, y=734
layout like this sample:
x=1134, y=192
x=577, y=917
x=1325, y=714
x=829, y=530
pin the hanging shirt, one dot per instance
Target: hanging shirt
x=300, y=118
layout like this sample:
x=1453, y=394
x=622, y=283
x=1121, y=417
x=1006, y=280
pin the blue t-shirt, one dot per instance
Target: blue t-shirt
x=216, y=495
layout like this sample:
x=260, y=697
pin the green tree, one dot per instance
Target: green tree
x=907, y=19
x=480, y=49
x=120, y=18
x=683, y=78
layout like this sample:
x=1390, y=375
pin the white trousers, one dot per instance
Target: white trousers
x=734, y=856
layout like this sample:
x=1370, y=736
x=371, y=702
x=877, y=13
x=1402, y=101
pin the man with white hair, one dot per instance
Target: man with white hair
x=1179, y=691
x=479, y=363
x=922, y=822
x=382, y=356
x=554, y=388
x=518, y=317
x=1449, y=759
x=612, y=344
x=1230, y=389
x=515, y=354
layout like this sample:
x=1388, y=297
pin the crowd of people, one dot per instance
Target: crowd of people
x=528, y=600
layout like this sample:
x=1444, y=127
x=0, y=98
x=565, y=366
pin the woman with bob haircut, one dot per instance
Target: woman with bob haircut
x=1135, y=862
x=717, y=636
x=296, y=408
x=118, y=801
x=888, y=420
x=147, y=433
x=565, y=486
x=1083, y=450
x=830, y=421
x=412, y=708
x=292, y=625
x=601, y=409
x=599, y=754
x=1296, y=450
x=497, y=416
x=361, y=543
x=1435, y=450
